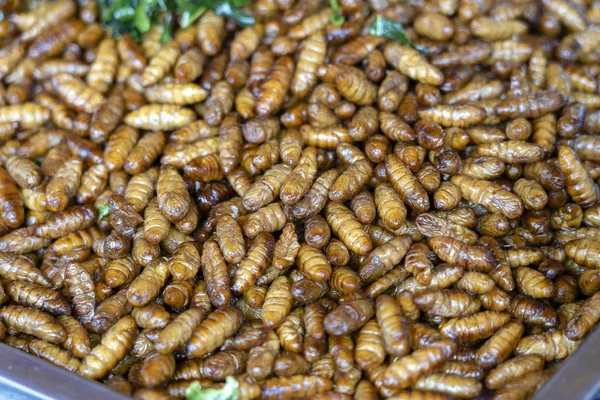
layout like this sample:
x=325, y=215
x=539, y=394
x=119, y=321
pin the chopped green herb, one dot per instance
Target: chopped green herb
x=392, y=30
x=228, y=392
x=337, y=17
x=38, y=160
x=103, y=211
x=166, y=35
x=137, y=16
x=190, y=14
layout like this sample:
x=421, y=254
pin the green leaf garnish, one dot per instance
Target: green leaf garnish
x=166, y=35
x=38, y=160
x=103, y=211
x=337, y=17
x=228, y=392
x=137, y=16
x=190, y=15
x=141, y=21
x=392, y=30
x=226, y=9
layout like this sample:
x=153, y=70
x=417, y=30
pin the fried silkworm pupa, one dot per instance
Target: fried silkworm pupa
x=33, y=322
x=147, y=285
x=226, y=321
x=113, y=347
x=11, y=203
x=295, y=386
x=80, y=288
x=78, y=340
x=31, y=295
x=345, y=226
x=278, y=302
x=471, y=328
x=349, y=317
x=54, y=354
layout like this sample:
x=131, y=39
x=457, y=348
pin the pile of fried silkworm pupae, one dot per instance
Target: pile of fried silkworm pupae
x=313, y=210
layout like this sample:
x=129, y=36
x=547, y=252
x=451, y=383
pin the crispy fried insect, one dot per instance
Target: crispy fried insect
x=147, y=285
x=173, y=197
x=110, y=310
x=24, y=172
x=577, y=180
x=349, y=317
x=550, y=345
x=384, y=257
x=121, y=272
x=115, y=344
x=273, y=90
x=363, y=206
x=77, y=339
x=351, y=181
x=347, y=228
x=533, y=283
x=410, y=62
x=31, y=295
x=160, y=64
x=497, y=348
x=130, y=53
x=257, y=259
x=179, y=330
x=354, y=86
x=210, y=33
x=157, y=368
x=230, y=144
x=67, y=221
x=52, y=42
x=295, y=386
x=77, y=94
x=460, y=116
x=286, y=248
x=313, y=263
x=406, y=185
x=472, y=328
x=151, y=316
x=513, y=369
x=267, y=219
x=370, y=350
x=212, y=332
x=278, y=302
x=340, y=349
x=317, y=232
x=103, y=69
x=394, y=328
x=405, y=371
x=310, y=57
x=214, y=270
x=446, y=303
x=11, y=202
x=390, y=207
x=160, y=116
x=53, y=354
x=489, y=195
x=512, y=151
x=299, y=181
x=584, y=251
x=80, y=289
x=33, y=322
x=189, y=65
x=450, y=384
x=530, y=106
x=391, y=91
x=120, y=145
x=456, y=252
x=585, y=319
